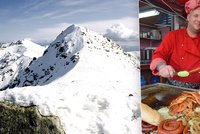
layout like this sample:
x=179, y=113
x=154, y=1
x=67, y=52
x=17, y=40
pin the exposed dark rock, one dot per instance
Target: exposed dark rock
x=15, y=119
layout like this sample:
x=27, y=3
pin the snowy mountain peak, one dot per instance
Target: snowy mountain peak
x=75, y=37
x=66, y=32
x=73, y=48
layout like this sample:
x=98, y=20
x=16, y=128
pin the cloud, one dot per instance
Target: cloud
x=34, y=6
x=69, y=13
x=47, y=33
x=50, y=33
x=41, y=20
x=119, y=32
x=69, y=3
x=102, y=25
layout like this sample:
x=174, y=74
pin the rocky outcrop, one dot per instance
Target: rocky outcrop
x=15, y=119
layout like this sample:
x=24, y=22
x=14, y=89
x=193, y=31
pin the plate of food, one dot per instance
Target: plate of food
x=168, y=109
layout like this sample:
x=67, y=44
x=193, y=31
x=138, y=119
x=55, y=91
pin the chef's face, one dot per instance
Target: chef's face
x=194, y=20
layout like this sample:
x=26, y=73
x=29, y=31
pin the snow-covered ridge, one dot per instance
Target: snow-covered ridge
x=64, y=53
x=15, y=57
x=22, y=47
x=86, y=80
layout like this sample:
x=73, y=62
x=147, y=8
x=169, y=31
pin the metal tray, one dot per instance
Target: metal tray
x=159, y=94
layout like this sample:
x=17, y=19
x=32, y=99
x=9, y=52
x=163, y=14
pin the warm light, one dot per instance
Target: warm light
x=149, y=13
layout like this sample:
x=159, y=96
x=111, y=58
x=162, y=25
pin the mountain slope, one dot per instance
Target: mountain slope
x=72, y=46
x=15, y=57
x=86, y=80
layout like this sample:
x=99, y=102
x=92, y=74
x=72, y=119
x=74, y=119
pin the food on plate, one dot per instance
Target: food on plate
x=195, y=128
x=182, y=116
x=146, y=127
x=170, y=126
x=195, y=125
x=164, y=111
x=150, y=115
x=186, y=130
x=184, y=104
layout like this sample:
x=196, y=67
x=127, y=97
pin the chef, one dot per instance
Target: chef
x=180, y=50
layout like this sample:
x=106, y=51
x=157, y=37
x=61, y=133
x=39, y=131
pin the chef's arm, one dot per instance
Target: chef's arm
x=156, y=64
x=159, y=67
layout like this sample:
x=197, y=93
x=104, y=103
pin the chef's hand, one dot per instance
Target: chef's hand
x=166, y=71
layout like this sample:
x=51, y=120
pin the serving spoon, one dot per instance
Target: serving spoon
x=187, y=73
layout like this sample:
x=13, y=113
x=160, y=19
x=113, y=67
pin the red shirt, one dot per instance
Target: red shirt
x=181, y=52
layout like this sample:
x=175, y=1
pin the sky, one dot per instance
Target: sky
x=44, y=20
x=98, y=92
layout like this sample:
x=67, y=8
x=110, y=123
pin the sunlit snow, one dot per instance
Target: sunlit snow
x=95, y=92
